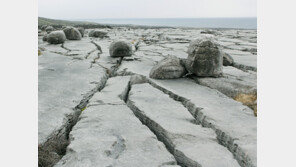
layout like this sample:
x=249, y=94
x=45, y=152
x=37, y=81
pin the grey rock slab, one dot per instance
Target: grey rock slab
x=232, y=83
x=192, y=145
x=109, y=134
x=82, y=45
x=62, y=84
x=234, y=123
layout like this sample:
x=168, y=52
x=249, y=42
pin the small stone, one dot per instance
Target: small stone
x=227, y=60
x=56, y=37
x=168, y=68
x=97, y=34
x=120, y=49
x=204, y=58
x=72, y=33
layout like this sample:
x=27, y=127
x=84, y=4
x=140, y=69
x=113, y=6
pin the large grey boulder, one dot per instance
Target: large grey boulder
x=56, y=37
x=97, y=34
x=204, y=58
x=81, y=30
x=72, y=33
x=167, y=68
x=49, y=29
x=227, y=60
x=120, y=49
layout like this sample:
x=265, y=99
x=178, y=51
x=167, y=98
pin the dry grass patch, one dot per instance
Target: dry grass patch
x=249, y=100
x=39, y=52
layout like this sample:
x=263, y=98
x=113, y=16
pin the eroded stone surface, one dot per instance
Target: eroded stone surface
x=67, y=72
x=62, y=84
x=108, y=134
x=191, y=144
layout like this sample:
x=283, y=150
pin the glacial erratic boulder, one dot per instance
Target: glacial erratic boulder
x=72, y=33
x=97, y=34
x=168, y=68
x=204, y=58
x=49, y=29
x=81, y=30
x=120, y=49
x=227, y=60
x=56, y=37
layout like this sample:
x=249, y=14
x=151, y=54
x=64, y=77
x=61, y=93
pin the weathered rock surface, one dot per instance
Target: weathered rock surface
x=97, y=34
x=62, y=84
x=120, y=49
x=191, y=144
x=234, y=123
x=56, y=37
x=72, y=33
x=110, y=135
x=204, y=58
x=81, y=102
x=168, y=68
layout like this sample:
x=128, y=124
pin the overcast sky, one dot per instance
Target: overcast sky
x=97, y=9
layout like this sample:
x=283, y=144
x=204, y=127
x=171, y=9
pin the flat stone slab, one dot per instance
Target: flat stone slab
x=192, y=144
x=232, y=83
x=62, y=84
x=234, y=122
x=109, y=134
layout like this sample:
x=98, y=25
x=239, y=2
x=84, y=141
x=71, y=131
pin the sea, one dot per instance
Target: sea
x=237, y=23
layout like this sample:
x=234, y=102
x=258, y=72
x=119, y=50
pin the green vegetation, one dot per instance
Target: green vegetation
x=46, y=21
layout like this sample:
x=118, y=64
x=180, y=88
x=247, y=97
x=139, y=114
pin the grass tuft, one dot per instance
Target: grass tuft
x=249, y=100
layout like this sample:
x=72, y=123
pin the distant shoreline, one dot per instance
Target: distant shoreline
x=94, y=23
x=201, y=23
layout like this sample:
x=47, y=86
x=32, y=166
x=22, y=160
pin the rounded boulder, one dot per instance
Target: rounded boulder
x=56, y=37
x=168, y=68
x=97, y=34
x=120, y=49
x=204, y=58
x=81, y=30
x=72, y=33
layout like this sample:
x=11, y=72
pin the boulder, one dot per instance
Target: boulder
x=81, y=30
x=72, y=33
x=56, y=37
x=44, y=37
x=43, y=27
x=97, y=34
x=49, y=29
x=227, y=60
x=204, y=58
x=168, y=68
x=120, y=49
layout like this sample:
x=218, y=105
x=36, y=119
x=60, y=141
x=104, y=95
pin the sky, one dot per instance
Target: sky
x=101, y=9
